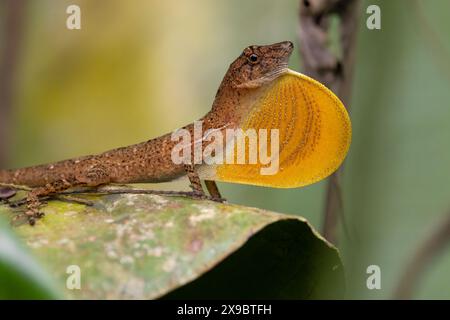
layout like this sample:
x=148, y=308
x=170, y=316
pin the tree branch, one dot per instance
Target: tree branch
x=320, y=63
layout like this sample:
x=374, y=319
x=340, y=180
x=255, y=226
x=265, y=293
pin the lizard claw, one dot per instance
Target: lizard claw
x=31, y=221
x=198, y=195
x=33, y=215
x=220, y=200
x=26, y=217
x=202, y=196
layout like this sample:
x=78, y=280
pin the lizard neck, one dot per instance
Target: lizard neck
x=232, y=104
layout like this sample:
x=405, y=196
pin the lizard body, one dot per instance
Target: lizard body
x=151, y=161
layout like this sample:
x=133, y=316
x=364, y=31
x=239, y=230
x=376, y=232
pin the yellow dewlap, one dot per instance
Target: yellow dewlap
x=314, y=134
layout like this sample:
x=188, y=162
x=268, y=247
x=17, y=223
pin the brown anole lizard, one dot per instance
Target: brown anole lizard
x=151, y=161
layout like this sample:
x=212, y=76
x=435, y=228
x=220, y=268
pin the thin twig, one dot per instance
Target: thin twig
x=112, y=189
x=127, y=190
x=336, y=73
x=67, y=196
x=430, y=249
x=70, y=198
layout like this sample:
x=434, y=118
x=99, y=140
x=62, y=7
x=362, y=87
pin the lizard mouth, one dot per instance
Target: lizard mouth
x=285, y=48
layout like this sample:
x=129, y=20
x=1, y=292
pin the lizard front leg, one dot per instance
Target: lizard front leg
x=33, y=203
x=94, y=176
x=194, y=179
x=197, y=188
x=214, y=190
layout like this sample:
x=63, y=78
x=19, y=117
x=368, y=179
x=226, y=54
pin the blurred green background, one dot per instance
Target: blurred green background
x=138, y=69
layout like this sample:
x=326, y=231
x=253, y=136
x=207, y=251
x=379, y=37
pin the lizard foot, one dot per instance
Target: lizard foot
x=33, y=214
x=32, y=217
x=33, y=204
x=216, y=199
x=198, y=195
x=202, y=196
x=28, y=216
x=35, y=196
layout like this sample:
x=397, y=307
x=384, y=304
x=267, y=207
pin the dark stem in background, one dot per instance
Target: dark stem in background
x=13, y=11
x=425, y=254
x=320, y=63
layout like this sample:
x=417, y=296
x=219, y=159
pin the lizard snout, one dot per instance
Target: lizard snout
x=286, y=46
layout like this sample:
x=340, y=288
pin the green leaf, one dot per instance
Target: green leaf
x=149, y=246
x=20, y=276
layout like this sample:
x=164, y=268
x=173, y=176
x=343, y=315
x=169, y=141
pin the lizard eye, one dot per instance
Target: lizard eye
x=253, y=58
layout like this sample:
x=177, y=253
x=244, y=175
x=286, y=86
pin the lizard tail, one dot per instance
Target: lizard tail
x=26, y=176
x=6, y=176
x=35, y=176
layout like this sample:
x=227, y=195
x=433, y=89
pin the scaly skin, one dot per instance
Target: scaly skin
x=151, y=161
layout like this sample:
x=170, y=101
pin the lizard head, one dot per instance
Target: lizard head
x=258, y=65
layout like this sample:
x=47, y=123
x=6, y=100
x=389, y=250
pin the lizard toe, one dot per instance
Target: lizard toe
x=31, y=221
